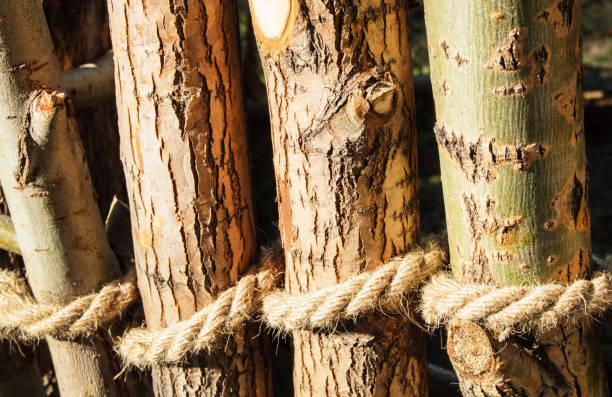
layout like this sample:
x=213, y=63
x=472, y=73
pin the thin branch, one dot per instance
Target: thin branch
x=90, y=83
x=8, y=239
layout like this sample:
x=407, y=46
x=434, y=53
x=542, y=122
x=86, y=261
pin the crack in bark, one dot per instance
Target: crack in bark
x=566, y=98
x=450, y=53
x=510, y=57
x=571, y=204
x=480, y=160
x=578, y=267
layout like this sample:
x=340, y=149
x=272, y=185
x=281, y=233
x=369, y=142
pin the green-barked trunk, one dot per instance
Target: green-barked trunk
x=506, y=77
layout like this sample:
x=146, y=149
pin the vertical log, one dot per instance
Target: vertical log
x=506, y=77
x=48, y=189
x=339, y=80
x=183, y=144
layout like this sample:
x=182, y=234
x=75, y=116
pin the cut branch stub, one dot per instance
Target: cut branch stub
x=373, y=104
x=273, y=20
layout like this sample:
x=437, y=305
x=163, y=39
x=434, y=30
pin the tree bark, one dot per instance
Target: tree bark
x=507, y=83
x=339, y=81
x=80, y=33
x=48, y=189
x=183, y=144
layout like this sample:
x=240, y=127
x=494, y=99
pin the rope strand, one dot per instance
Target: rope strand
x=143, y=348
x=23, y=319
x=384, y=287
x=515, y=310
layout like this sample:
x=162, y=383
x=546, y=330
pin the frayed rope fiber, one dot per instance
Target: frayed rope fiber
x=505, y=311
x=515, y=310
x=23, y=319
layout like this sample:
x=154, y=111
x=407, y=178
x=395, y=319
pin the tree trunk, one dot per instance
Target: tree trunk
x=47, y=186
x=339, y=80
x=183, y=143
x=506, y=77
x=80, y=33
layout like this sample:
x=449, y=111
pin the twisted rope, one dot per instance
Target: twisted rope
x=515, y=310
x=24, y=319
x=383, y=288
x=143, y=348
x=505, y=311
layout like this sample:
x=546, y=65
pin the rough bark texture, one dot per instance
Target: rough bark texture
x=339, y=80
x=183, y=144
x=80, y=33
x=48, y=189
x=506, y=77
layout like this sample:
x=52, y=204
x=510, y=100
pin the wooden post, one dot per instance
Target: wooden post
x=48, y=189
x=507, y=83
x=183, y=144
x=339, y=80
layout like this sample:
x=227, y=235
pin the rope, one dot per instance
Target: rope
x=515, y=310
x=23, y=319
x=143, y=348
x=383, y=288
x=505, y=311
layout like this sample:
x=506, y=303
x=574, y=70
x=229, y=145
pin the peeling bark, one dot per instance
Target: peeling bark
x=524, y=224
x=480, y=160
x=509, y=57
x=449, y=53
x=561, y=15
x=566, y=98
x=342, y=114
x=184, y=149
